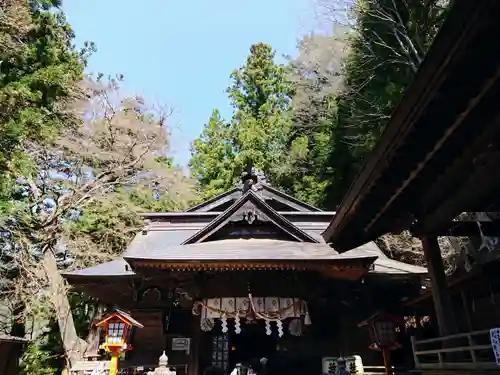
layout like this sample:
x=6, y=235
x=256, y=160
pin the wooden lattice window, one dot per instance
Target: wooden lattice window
x=220, y=351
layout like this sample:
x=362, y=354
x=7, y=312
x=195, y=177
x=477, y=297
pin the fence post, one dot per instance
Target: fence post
x=414, y=348
x=472, y=351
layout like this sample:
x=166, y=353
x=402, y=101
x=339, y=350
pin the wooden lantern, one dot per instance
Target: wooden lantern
x=383, y=334
x=118, y=325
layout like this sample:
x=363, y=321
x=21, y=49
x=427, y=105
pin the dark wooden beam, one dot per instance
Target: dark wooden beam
x=464, y=229
x=478, y=150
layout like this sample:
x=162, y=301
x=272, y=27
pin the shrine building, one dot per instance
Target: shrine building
x=247, y=275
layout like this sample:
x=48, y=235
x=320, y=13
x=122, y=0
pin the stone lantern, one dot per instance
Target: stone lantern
x=162, y=368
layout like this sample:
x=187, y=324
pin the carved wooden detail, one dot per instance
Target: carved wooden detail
x=249, y=213
x=151, y=295
x=350, y=271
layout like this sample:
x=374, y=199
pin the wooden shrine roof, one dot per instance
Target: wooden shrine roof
x=115, y=268
x=383, y=265
x=197, y=240
x=370, y=251
x=239, y=249
x=439, y=152
x=254, y=254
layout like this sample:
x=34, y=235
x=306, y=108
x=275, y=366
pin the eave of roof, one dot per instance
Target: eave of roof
x=122, y=315
x=118, y=268
x=383, y=265
x=255, y=255
x=283, y=254
x=359, y=218
x=13, y=339
x=241, y=250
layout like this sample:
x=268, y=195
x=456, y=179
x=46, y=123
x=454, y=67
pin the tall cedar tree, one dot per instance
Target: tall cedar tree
x=39, y=70
x=259, y=129
x=212, y=157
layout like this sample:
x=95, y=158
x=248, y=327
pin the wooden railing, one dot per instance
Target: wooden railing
x=467, y=351
x=380, y=370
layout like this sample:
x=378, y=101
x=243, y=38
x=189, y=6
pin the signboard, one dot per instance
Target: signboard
x=354, y=365
x=181, y=344
x=495, y=343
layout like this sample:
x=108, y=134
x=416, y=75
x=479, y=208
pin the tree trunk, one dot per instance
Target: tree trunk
x=93, y=337
x=74, y=347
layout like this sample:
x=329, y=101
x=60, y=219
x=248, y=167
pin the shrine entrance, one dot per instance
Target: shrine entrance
x=251, y=345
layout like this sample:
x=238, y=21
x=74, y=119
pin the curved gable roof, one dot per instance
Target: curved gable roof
x=251, y=203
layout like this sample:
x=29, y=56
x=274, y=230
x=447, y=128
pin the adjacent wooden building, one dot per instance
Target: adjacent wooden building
x=244, y=275
x=436, y=160
x=11, y=350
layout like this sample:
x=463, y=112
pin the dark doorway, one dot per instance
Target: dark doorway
x=251, y=345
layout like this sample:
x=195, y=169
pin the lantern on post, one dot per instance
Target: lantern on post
x=119, y=326
x=383, y=334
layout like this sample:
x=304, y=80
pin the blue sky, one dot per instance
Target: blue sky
x=182, y=52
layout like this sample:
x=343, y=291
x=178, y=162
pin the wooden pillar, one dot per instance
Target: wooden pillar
x=466, y=309
x=194, y=355
x=440, y=294
x=418, y=326
x=386, y=355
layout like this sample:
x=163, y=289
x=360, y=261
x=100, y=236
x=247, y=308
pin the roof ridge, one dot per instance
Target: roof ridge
x=287, y=196
x=214, y=199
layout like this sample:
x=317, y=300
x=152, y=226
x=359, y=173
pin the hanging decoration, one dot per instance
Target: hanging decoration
x=307, y=319
x=269, y=309
x=237, y=324
x=224, y=323
x=207, y=324
x=268, y=328
x=279, y=324
x=295, y=327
